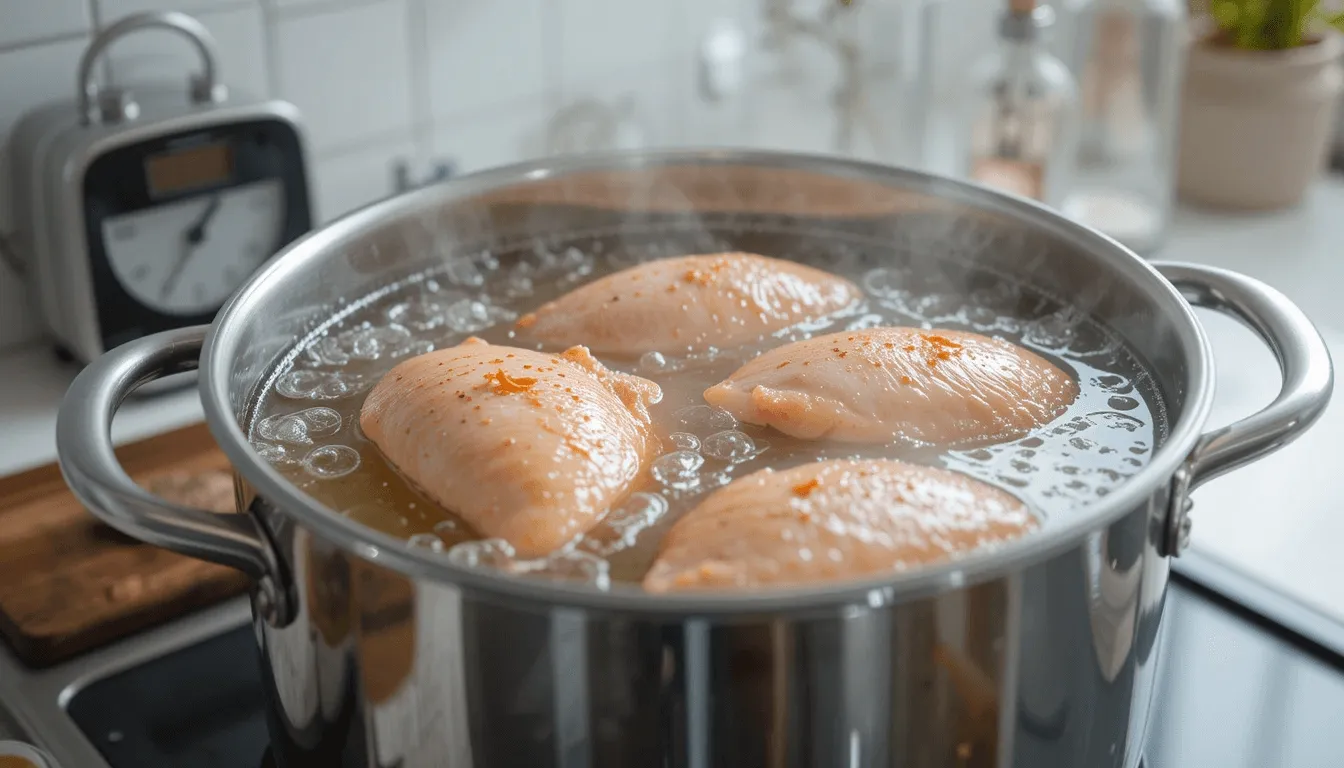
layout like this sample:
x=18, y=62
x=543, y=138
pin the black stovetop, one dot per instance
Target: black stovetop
x=1238, y=691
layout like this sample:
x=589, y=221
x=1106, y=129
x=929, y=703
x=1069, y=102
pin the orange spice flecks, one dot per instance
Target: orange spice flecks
x=941, y=341
x=526, y=321
x=781, y=365
x=502, y=383
x=803, y=490
x=697, y=276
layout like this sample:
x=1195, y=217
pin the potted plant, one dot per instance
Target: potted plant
x=1261, y=85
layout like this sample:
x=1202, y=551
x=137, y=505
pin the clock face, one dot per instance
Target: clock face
x=188, y=256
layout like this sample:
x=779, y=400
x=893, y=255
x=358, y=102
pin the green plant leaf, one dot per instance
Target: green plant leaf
x=1336, y=21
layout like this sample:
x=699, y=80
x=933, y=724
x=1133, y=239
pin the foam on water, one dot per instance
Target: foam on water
x=308, y=423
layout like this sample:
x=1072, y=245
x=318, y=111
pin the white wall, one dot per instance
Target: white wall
x=470, y=81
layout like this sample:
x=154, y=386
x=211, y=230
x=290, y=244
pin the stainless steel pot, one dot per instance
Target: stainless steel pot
x=1040, y=654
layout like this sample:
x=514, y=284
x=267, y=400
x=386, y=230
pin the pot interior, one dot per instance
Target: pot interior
x=338, y=308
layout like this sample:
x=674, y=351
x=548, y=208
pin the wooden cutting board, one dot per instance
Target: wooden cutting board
x=69, y=583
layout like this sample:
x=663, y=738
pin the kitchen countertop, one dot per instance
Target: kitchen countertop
x=1278, y=520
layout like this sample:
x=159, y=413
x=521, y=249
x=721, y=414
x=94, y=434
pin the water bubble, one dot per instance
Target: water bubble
x=419, y=315
x=487, y=553
x=470, y=316
x=274, y=454
x=284, y=428
x=1031, y=442
x=518, y=283
x=331, y=461
x=1123, y=403
x=678, y=470
x=981, y=318
x=653, y=362
x=1054, y=331
x=1112, y=383
x=1015, y=482
x=1072, y=426
x=572, y=565
x=299, y=385
x=375, y=343
x=703, y=419
x=864, y=322
x=684, y=441
x=365, y=343
x=445, y=527
x=575, y=263
x=427, y=541
x=729, y=445
x=1082, y=443
x=320, y=421
x=886, y=283
x=623, y=524
x=936, y=306
x=487, y=261
x=317, y=385
x=1022, y=467
x=1114, y=420
x=462, y=271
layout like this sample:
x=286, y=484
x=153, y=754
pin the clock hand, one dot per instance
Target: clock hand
x=197, y=231
x=194, y=235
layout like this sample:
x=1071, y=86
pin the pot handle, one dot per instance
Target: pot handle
x=91, y=468
x=1304, y=362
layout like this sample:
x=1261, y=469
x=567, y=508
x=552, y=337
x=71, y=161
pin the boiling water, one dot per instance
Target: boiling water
x=307, y=421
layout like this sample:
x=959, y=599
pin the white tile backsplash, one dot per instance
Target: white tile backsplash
x=111, y=10
x=347, y=70
x=493, y=139
x=344, y=182
x=597, y=39
x=24, y=20
x=474, y=83
x=161, y=56
x=483, y=56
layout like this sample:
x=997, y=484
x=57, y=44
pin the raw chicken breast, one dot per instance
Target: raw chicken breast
x=831, y=520
x=525, y=446
x=689, y=303
x=883, y=384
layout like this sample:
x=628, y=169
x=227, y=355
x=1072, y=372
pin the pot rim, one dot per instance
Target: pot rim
x=388, y=551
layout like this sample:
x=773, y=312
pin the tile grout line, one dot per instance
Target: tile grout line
x=38, y=42
x=552, y=51
x=321, y=8
x=422, y=109
x=270, y=20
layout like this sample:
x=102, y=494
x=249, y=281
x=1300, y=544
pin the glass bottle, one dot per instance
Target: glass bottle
x=1020, y=112
x=1128, y=58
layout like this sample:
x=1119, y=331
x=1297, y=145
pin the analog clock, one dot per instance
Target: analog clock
x=141, y=212
x=188, y=257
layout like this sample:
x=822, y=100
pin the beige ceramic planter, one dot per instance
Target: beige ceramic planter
x=1256, y=125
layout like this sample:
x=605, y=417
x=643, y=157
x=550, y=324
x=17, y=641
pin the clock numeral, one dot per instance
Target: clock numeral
x=123, y=231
